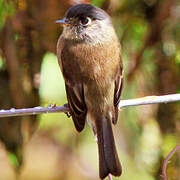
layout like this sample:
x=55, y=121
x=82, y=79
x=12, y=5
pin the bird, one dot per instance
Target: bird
x=89, y=56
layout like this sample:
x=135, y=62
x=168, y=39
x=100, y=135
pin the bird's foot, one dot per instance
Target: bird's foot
x=68, y=114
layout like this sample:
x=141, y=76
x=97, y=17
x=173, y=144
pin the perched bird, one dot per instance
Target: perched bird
x=89, y=56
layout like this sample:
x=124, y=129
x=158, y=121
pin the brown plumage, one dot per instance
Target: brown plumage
x=89, y=56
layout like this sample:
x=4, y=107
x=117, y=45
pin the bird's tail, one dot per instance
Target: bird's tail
x=108, y=158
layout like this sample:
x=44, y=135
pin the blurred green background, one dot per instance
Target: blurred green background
x=47, y=147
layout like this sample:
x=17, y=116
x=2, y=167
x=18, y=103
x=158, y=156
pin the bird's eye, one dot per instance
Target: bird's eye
x=85, y=21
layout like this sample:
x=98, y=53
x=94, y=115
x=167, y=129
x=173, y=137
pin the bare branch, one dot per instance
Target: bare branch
x=150, y=100
x=123, y=103
x=164, y=176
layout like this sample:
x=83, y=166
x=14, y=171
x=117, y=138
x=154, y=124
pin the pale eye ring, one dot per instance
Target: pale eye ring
x=85, y=21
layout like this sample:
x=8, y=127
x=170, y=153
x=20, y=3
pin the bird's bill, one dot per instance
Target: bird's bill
x=63, y=22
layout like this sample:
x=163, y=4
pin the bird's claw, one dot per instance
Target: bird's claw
x=67, y=113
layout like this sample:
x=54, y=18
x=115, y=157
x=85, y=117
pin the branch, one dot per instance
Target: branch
x=123, y=103
x=166, y=162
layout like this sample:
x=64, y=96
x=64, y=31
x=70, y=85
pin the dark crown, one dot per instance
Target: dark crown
x=86, y=10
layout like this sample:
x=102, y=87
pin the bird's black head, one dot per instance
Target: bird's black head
x=86, y=22
x=86, y=10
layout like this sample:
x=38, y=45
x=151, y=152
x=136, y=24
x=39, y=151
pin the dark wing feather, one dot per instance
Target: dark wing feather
x=74, y=92
x=78, y=110
x=118, y=90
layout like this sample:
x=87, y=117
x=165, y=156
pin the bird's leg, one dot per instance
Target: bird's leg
x=68, y=114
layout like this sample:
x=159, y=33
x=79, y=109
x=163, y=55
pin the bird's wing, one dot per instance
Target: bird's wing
x=118, y=90
x=76, y=102
x=74, y=92
x=59, y=50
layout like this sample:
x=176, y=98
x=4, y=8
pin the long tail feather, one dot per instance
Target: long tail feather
x=108, y=158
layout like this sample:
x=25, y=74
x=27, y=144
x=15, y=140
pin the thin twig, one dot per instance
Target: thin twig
x=164, y=176
x=110, y=177
x=150, y=100
x=123, y=103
